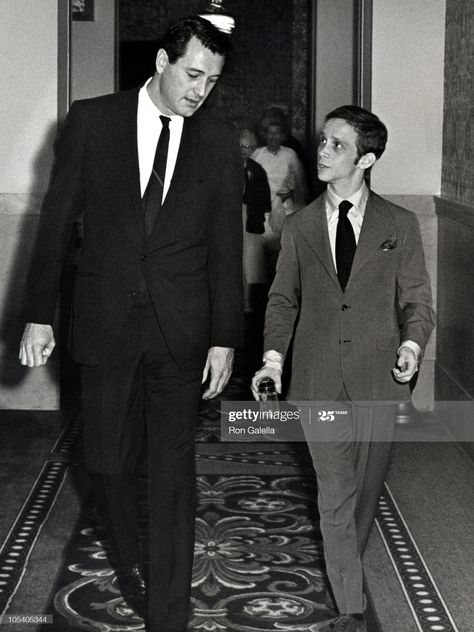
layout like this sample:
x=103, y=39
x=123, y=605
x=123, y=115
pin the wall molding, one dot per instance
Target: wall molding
x=460, y=212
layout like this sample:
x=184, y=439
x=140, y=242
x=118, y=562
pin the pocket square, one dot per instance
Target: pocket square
x=389, y=244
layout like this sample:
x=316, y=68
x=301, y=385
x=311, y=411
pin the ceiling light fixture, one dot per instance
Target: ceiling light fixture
x=217, y=15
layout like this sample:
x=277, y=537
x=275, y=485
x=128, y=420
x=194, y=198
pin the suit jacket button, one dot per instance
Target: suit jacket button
x=143, y=257
x=132, y=293
x=345, y=307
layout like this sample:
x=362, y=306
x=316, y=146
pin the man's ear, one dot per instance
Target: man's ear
x=366, y=161
x=161, y=60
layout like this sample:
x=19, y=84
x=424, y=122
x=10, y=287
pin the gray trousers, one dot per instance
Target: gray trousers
x=350, y=456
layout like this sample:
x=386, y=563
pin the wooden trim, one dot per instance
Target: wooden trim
x=363, y=57
x=312, y=35
x=117, y=47
x=64, y=58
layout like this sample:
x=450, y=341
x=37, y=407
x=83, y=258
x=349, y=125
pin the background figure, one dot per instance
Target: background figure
x=287, y=186
x=157, y=307
x=275, y=114
x=256, y=206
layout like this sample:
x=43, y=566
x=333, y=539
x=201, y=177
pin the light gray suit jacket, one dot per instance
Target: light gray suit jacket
x=349, y=337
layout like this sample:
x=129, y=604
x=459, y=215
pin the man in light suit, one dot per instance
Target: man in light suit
x=352, y=291
x=157, y=307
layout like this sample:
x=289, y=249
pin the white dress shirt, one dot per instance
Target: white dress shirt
x=356, y=214
x=148, y=132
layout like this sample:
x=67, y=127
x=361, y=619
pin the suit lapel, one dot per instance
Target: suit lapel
x=130, y=218
x=314, y=228
x=376, y=228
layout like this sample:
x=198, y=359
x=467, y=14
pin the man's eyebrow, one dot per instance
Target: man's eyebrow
x=200, y=71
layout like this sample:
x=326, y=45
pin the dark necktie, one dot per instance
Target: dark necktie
x=154, y=191
x=345, y=244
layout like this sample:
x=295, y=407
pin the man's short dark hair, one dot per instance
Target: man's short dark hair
x=371, y=132
x=178, y=35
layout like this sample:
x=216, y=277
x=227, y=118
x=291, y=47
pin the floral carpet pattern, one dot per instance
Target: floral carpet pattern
x=258, y=563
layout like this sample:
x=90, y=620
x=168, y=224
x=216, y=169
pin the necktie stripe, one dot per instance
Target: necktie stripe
x=157, y=176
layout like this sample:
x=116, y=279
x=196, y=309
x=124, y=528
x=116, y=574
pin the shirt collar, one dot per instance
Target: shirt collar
x=358, y=199
x=148, y=108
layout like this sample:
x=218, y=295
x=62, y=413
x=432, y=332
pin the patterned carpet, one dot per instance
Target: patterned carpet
x=258, y=554
x=257, y=567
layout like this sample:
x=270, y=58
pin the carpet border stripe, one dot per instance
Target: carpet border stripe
x=49, y=484
x=392, y=526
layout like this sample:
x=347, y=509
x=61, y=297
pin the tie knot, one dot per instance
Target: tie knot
x=165, y=120
x=344, y=207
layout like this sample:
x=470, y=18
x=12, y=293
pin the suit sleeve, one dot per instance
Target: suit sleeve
x=60, y=208
x=225, y=253
x=414, y=289
x=284, y=297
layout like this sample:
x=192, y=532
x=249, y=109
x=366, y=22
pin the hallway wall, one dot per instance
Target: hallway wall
x=455, y=209
x=28, y=115
x=407, y=93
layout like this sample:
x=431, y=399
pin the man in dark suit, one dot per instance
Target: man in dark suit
x=158, y=183
x=352, y=291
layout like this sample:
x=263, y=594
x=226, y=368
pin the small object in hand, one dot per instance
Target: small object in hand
x=266, y=390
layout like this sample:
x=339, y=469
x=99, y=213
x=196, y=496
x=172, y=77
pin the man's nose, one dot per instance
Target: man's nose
x=200, y=88
x=322, y=151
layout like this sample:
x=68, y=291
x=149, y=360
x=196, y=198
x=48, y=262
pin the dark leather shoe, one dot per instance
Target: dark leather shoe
x=134, y=589
x=346, y=623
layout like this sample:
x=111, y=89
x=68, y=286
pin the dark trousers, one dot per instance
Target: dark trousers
x=351, y=457
x=140, y=393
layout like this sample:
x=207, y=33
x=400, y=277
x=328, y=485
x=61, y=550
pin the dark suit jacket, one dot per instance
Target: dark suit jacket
x=256, y=196
x=349, y=337
x=192, y=261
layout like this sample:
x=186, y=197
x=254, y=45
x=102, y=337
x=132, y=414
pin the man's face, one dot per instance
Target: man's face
x=185, y=85
x=274, y=137
x=338, y=160
x=247, y=145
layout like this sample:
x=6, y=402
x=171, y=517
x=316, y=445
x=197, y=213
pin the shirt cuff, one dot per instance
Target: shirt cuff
x=414, y=346
x=273, y=359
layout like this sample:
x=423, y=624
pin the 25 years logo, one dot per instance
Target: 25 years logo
x=326, y=415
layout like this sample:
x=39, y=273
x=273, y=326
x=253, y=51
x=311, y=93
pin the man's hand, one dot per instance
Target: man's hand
x=266, y=371
x=36, y=345
x=407, y=365
x=219, y=363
